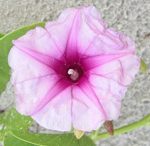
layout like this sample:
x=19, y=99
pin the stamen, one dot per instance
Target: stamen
x=73, y=74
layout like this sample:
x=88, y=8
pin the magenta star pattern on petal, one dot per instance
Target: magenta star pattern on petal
x=74, y=72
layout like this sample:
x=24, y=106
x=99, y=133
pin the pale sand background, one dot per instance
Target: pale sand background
x=129, y=16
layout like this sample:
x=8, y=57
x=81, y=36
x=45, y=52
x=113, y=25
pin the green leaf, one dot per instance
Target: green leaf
x=2, y=114
x=143, y=66
x=5, y=45
x=2, y=130
x=13, y=141
x=15, y=121
x=17, y=127
x=1, y=35
x=10, y=120
x=51, y=139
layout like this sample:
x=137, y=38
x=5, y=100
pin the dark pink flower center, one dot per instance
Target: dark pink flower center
x=71, y=69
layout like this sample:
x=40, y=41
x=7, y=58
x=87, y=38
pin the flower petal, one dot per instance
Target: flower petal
x=60, y=30
x=110, y=80
x=38, y=40
x=56, y=115
x=77, y=28
x=99, y=60
x=91, y=25
x=86, y=116
x=32, y=92
x=109, y=94
x=94, y=38
x=121, y=70
x=25, y=67
x=32, y=80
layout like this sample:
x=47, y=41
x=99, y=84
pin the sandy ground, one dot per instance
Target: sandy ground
x=129, y=16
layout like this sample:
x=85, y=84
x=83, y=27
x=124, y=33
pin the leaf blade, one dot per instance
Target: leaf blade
x=13, y=141
x=1, y=35
x=18, y=125
x=53, y=139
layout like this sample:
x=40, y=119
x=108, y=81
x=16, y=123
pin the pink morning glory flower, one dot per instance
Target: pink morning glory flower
x=74, y=72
